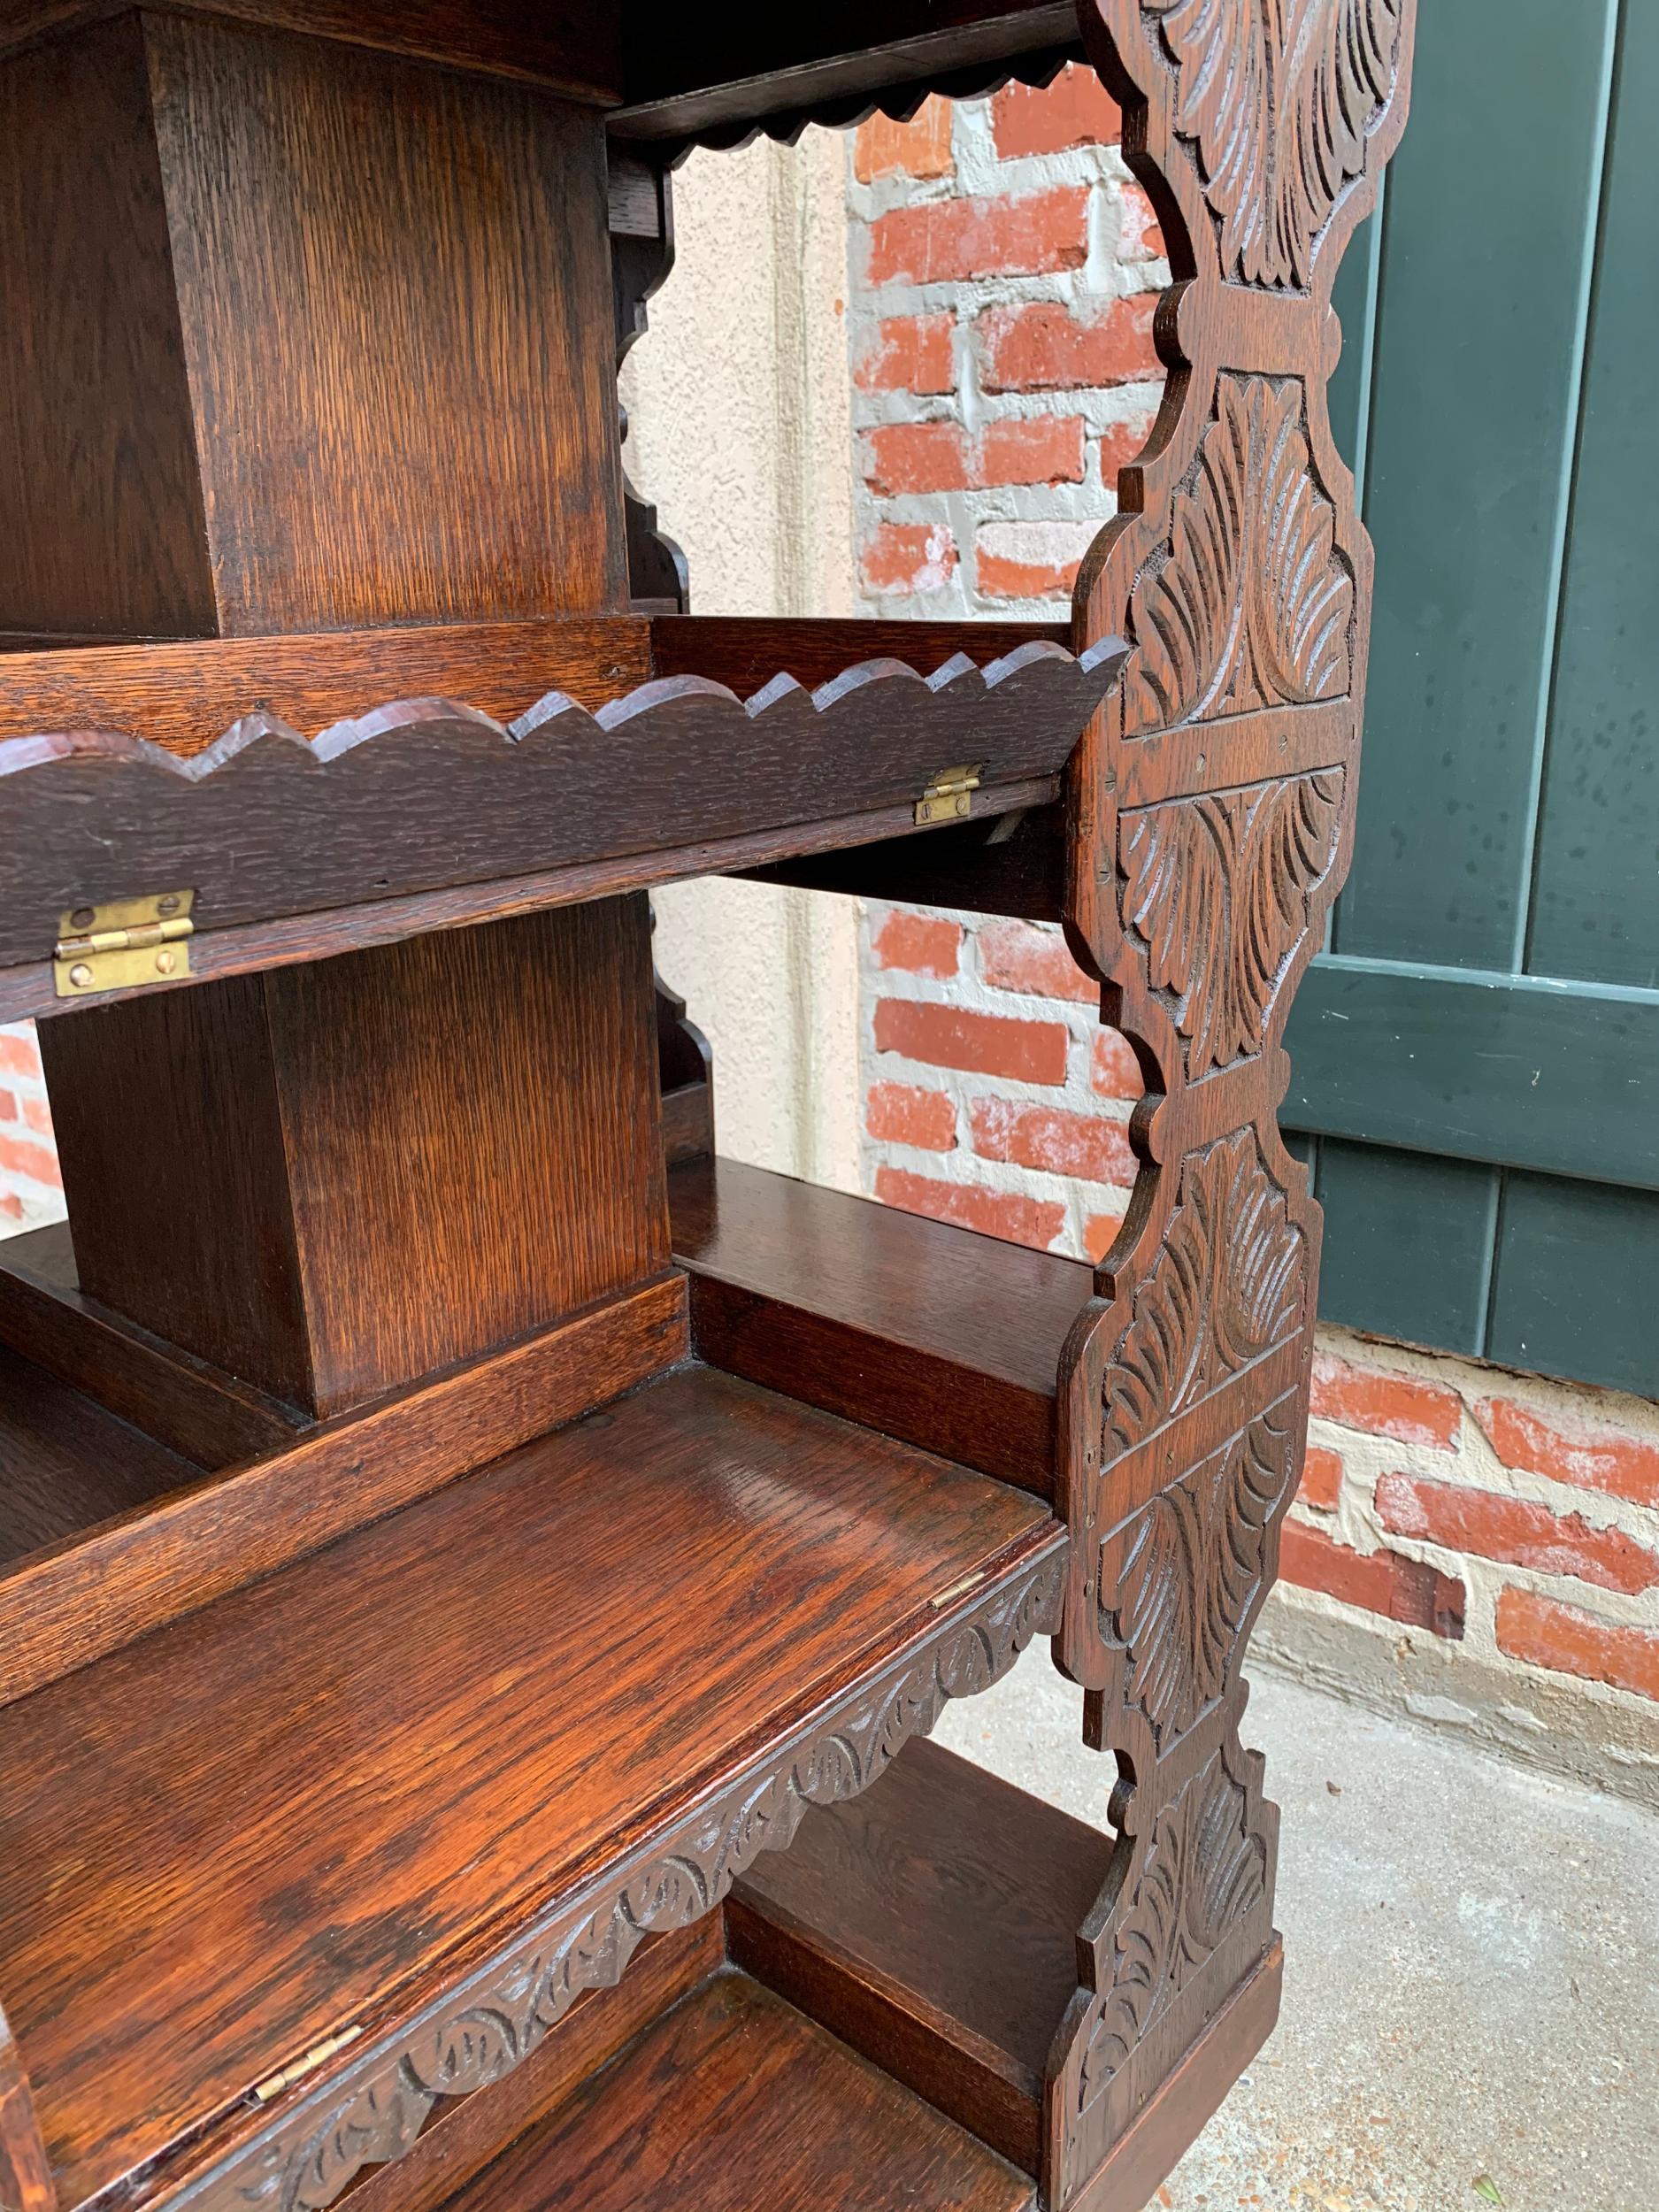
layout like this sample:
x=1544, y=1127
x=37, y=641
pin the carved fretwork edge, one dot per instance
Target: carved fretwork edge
x=371, y=2107
x=1209, y=811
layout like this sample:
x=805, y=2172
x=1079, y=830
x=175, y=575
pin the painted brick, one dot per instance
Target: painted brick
x=1031, y=450
x=19, y=1156
x=1043, y=346
x=11, y=1206
x=1016, y=1220
x=910, y=353
x=914, y=456
x=1120, y=443
x=1381, y=1404
x=1100, y=1233
x=1383, y=1582
x=1054, y=1140
x=1140, y=237
x=906, y=556
x=1113, y=1069
x=8, y=1106
x=1021, y=957
x=905, y=1113
x=1030, y=560
x=982, y=1044
x=1321, y=1480
x=940, y=456
x=920, y=148
x=1076, y=109
x=37, y=1114
x=919, y=944
x=1585, y=1454
x=943, y=241
x=1516, y=1531
x=18, y=1054
x=1560, y=1636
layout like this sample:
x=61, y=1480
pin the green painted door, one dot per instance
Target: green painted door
x=1476, y=1053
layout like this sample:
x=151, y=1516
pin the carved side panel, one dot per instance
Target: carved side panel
x=1211, y=812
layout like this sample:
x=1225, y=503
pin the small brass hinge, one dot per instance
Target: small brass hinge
x=274, y=2084
x=949, y=797
x=123, y=944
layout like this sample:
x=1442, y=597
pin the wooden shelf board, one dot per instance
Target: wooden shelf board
x=933, y=1925
x=320, y=1800
x=733, y=2101
x=946, y=1339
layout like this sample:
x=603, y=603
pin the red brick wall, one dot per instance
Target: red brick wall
x=1495, y=1539
x=31, y=1190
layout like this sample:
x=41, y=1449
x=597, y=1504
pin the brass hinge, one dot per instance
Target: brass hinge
x=274, y=2084
x=949, y=797
x=123, y=944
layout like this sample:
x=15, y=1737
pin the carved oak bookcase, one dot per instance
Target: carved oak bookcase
x=476, y=1569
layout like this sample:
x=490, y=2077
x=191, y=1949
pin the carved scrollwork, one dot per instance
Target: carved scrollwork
x=1253, y=605
x=1228, y=1284
x=1276, y=99
x=1219, y=890
x=373, y=2110
x=1193, y=1565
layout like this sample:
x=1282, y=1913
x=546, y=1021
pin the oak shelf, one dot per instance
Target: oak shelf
x=500, y=1705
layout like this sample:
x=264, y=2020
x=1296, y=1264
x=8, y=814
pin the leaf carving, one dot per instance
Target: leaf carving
x=1277, y=99
x=1194, y=1563
x=1219, y=890
x=1227, y=1285
x=1252, y=606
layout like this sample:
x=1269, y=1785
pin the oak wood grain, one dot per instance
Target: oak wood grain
x=931, y=1924
x=26, y=2175
x=1014, y=863
x=734, y=2103
x=116, y=1580
x=435, y=1724
x=948, y=1340
x=745, y=652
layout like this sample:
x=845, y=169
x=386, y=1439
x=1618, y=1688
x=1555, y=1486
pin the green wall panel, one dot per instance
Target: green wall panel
x=1408, y=1240
x=1474, y=402
x=1595, y=910
x=1576, y=1288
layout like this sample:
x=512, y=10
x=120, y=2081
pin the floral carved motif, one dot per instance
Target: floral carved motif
x=1228, y=1284
x=1194, y=1564
x=1252, y=606
x=1204, y=1873
x=1219, y=890
x=373, y=2110
x=1277, y=99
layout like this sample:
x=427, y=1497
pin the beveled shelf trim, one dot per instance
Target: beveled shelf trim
x=369, y=2109
x=424, y=796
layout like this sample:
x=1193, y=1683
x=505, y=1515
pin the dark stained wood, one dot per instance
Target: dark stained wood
x=716, y=79
x=374, y=1167
x=65, y=1462
x=192, y=1408
x=685, y=1067
x=400, y=410
x=419, y=1736
x=571, y=45
x=931, y=1924
x=184, y=696
x=466, y=2135
x=426, y=793
x=733, y=2102
x=104, y=530
x=745, y=652
x=948, y=1340
x=1015, y=864
x=26, y=2175
x=77, y=1601
x=1190, y=2095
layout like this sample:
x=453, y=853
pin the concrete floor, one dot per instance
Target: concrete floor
x=1471, y=1998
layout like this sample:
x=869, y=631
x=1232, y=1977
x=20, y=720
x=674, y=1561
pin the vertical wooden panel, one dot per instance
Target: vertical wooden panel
x=395, y=292
x=102, y=531
x=1576, y=1286
x=1408, y=1244
x=1472, y=424
x=1596, y=897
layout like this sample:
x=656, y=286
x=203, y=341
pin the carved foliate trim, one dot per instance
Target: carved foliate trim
x=1195, y=1563
x=1219, y=890
x=1275, y=100
x=1204, y=1874
x=1229, y=1282
x=1253, y=605
x=373, y=2110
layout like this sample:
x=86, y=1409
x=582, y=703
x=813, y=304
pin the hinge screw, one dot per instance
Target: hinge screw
x=80, y=975
x=83, y=917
